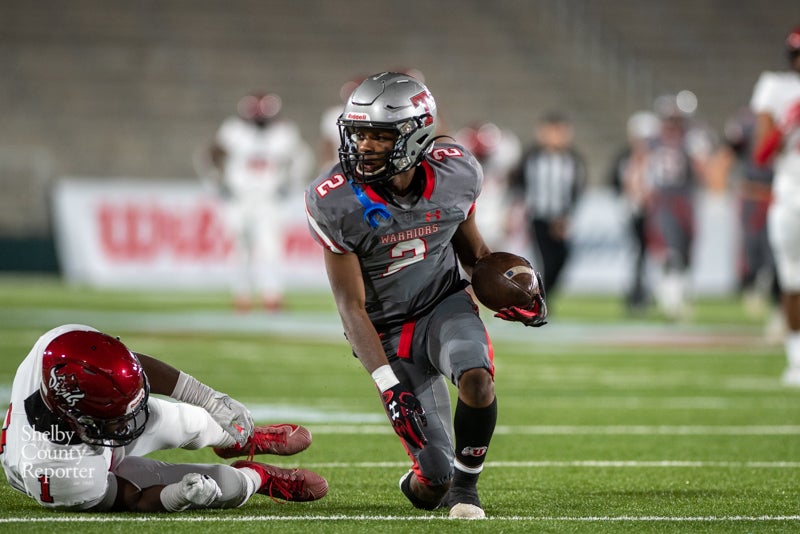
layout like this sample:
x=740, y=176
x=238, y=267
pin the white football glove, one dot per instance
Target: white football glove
x=193, y=489
x=231, y=415
x=199, y=489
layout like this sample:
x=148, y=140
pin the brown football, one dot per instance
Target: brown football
x=502, y=279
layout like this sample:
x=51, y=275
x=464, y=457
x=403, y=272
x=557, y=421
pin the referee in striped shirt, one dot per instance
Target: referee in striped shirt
x=549, y=180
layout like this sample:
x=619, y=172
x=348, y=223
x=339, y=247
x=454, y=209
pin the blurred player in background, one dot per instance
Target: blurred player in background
x=776, y=103
x=752, y=185
x=627, y=178
x=548, y=182
x=498, y=151
x=673, y=171
x=329, y=130
x=395, y=217
x=258, y=165
x=82, y=418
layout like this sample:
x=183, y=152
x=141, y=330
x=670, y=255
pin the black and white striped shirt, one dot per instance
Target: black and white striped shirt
x=550, y=182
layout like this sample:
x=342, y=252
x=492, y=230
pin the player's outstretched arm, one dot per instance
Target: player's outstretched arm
x=469, y=244
x=230, y=414
x=402, y=407
x=161, y=376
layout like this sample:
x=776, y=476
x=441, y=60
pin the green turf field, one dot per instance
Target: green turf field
x=607, y=424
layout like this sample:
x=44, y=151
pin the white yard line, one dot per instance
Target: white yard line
x=327, y=325
x=639, y=430
x=154, y=518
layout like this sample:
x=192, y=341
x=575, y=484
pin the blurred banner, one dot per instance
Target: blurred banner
x=140, y=233
x=602, y=260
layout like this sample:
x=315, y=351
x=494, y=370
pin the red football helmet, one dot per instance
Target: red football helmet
x=259, y=108
x=93, y=382
x=793, y=44
x=480, y=138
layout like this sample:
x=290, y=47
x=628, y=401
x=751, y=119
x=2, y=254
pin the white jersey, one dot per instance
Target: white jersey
x=75, y=477
x=775, y=93
x=493, y=204
x=329, y=135
x=264, y=164
x=328, y=127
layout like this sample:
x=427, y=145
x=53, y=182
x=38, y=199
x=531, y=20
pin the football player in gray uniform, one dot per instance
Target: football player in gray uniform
x=396, y=216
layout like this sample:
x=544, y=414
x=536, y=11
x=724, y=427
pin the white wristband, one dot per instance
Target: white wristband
x=384, y=377
x=190, y=390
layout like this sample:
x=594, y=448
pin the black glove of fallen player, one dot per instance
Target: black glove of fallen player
x=406, y=414
x=533, y=315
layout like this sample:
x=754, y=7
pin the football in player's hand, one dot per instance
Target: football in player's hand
x=502, y=279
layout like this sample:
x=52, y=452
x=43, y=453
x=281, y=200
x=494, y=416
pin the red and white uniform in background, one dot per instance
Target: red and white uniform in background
x=81, y=476
x=264, y=174
x=778, y=94
x=498, y=151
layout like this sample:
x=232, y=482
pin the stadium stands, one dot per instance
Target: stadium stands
x=130, y=89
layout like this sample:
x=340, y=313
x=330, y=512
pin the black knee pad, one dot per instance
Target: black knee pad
x=436, y=465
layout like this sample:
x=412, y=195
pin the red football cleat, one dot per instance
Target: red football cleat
x=282, y=439
x=298, y=485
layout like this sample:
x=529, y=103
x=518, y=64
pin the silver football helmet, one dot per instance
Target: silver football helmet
x=391, y=101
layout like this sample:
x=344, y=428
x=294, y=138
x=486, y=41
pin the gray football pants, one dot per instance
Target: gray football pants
x=424, y=354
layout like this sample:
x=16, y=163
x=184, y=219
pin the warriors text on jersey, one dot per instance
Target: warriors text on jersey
x=408, y=262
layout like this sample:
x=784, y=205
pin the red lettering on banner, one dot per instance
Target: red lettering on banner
x=144, y=231
x=299, y=244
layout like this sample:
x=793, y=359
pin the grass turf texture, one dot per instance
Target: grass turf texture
x=601, y=428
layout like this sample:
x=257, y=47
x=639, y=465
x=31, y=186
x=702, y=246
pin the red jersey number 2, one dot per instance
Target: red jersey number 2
x=330, y=184
x=446, y=152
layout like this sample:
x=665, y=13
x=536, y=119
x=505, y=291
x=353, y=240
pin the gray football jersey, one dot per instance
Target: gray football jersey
x=408, y=262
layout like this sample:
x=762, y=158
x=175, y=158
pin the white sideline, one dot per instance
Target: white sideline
x=645, y=430
x=152, y=518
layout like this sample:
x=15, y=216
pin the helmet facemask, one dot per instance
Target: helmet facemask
x=115, y=432
x=411, y=145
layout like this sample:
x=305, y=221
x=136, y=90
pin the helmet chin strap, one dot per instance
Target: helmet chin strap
x=373, y=211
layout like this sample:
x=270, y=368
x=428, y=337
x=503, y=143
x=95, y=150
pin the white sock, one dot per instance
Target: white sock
x=466, y=469
x=793, y=349
x=252, y=479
